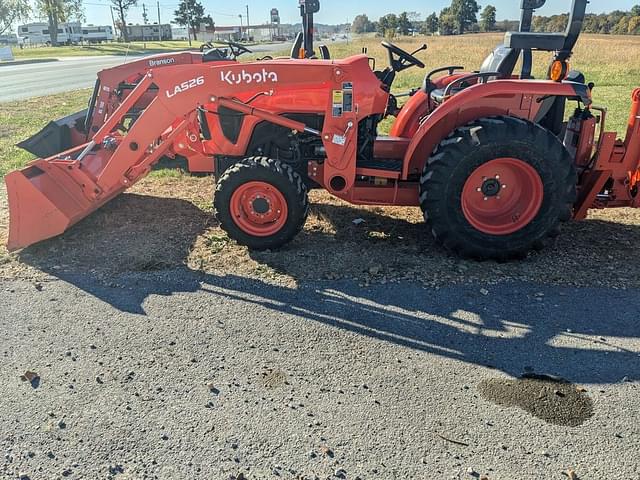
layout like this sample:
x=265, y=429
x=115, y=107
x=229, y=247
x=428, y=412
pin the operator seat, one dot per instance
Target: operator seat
x=324, y=52
x=502, y=60
x=298, y=43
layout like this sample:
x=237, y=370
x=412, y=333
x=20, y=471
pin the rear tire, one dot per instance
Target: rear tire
x=261, y=203
x=497, y=188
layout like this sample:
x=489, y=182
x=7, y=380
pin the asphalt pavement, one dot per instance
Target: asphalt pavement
x=177, y=374
x=18, y=82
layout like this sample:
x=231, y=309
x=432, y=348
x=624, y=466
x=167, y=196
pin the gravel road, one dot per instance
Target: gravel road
x=179, y=374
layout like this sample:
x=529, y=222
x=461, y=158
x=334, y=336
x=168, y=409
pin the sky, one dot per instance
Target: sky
x=331, y=11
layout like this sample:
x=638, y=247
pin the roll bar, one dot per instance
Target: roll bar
x=526, y=19
x=574, y=28
x=307, y=9
x=561, y=43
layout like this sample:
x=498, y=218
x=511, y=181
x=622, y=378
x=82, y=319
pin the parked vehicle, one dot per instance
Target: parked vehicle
x=97, y=33
x=38, y=33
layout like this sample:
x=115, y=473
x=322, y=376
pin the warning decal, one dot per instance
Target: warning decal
x=338, y=98
x=347, y=97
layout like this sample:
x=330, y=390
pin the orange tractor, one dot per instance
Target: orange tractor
x=487, y=155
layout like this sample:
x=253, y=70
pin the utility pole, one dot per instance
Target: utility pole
x=145, y=20
x=248, y=24
x=113, y=20
x=240, y=26
x=159, y=25
x=186, y=3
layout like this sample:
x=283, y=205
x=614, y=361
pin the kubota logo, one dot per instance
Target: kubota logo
x=184, y=86
x=233, y=78
x=162, y=61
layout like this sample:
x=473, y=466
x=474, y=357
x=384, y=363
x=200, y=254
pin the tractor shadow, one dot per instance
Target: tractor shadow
x=375, y=279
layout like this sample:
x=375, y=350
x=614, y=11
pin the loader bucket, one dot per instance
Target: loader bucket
x=41, y=206
x=58, y=136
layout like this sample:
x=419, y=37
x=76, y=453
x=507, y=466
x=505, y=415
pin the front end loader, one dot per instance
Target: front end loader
x=487, y=154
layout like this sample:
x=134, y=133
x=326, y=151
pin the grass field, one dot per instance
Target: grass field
x=609, y=61
x=132, y=48
x=19, y=120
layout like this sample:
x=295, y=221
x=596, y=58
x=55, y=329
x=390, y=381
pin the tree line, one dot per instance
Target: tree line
x=617, y=22
x=190, y=13
x=462, y=17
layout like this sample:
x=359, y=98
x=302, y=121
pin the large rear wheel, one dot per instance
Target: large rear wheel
x=261, y=203
x=497, y=188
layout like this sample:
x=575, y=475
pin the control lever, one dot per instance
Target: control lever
x=423, y=47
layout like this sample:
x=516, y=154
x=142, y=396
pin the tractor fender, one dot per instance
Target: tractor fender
x=516, y=98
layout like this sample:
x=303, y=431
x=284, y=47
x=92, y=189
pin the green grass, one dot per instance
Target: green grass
x=609, y=61
x=19, y=120
x=133, y=48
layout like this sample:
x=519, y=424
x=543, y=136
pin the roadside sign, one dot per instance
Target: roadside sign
x=6, y=54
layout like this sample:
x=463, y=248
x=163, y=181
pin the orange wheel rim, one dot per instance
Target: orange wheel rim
x=502, y=196
x=259, y=209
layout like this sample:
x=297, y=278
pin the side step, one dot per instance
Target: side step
x=387, y=161
x=377, y=167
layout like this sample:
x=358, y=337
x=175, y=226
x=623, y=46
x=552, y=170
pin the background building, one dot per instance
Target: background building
x=143, y=33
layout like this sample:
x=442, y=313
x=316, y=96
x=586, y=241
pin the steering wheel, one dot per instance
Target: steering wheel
x=237, y=49
x=405, y=59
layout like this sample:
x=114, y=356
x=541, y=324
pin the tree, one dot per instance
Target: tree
x=634, y=25
x=388, y=25
x=58, y=11
x=404, y=24
x=622, y=27
x=447, y=22
x=191, y=13
x=11, y=11
x=464, y=12
x=431, y=24
x=635, y=11
x=361, y=24
x=488, y=18
x=122, y=6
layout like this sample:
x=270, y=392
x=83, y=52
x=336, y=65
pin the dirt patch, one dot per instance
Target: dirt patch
x=167, y=222
x=271, y=378
x=552, y=400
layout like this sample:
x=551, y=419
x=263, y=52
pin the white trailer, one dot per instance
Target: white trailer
x=37, y=33
x=97, y=33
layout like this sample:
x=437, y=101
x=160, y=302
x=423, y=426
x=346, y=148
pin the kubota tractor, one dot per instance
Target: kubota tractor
x=486, y=155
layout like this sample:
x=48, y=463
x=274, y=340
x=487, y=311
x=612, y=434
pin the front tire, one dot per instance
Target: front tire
x=261, y=203
x=497, y=188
